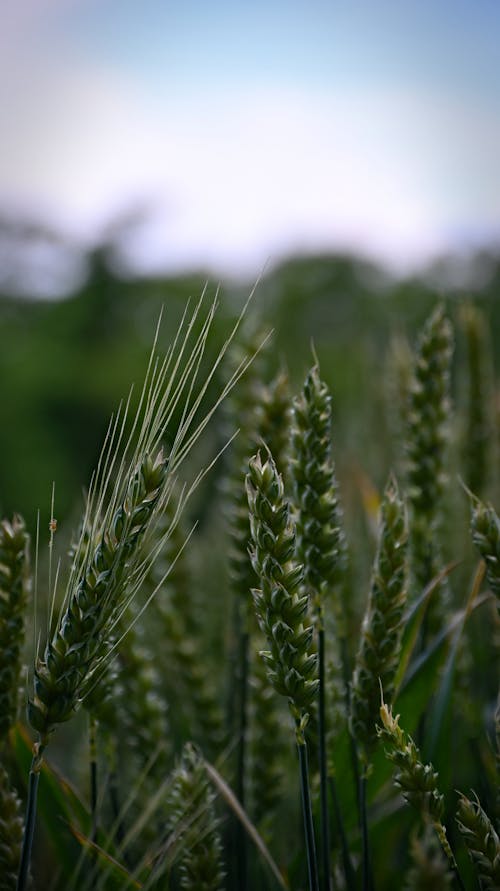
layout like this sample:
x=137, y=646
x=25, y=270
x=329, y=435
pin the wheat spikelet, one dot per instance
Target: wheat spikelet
x=430, y=870
x=485, y=528
x=378, y=655
x=478, y=429
x=281, y=608
x=129, y=491
x=320, y=536
x=95, y=604
x=193, y=826
x=11, y=834
x=14, y=586
x=417, y=781
x=482, y=841
x=427, y=438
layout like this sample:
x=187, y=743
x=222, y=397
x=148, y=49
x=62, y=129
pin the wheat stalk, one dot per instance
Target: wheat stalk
x=281, y=609
x=128, y=493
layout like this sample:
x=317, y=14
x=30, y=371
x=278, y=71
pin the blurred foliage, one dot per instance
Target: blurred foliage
x=65, y=364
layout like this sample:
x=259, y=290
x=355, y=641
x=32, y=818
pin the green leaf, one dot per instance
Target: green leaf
x=229, y=797
x=58, y=805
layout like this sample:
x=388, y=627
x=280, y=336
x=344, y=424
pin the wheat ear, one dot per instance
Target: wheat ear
x=127, y=495
x=478, y=430
x=281, y=609
x=14, y=587
x=485, y=528
x=481, y=840
x=320, y=539
x=11, y=834
x=193, y=827
x=427, y=439
x=417, y=781
x=379, y=650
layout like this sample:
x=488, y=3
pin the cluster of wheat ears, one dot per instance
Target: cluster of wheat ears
x=190, y=770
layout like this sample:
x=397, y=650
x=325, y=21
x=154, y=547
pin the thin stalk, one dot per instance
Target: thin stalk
x=93, y=772
x=312, y=865
x=325, y=822
x=367, y=877
x=241, y=846
x=349, y=873
x=458, y=877
x=29, y=825
x=115, y=809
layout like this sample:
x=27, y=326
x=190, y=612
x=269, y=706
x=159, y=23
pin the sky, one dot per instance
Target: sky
x=239, y=132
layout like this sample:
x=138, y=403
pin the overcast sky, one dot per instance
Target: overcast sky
x=250, y=129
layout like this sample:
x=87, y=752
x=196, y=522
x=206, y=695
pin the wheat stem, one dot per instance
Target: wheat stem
x=30, y=820
x=307, y=811
x=325, y=820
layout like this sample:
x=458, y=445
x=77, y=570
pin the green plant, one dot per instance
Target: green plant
x=140, y=632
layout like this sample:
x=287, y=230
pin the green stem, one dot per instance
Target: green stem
x=241, y=848
x=307, y=812
x=93, y=772
x=29, y=826
x=367, y=882
x=349, y=873
x=325, y=823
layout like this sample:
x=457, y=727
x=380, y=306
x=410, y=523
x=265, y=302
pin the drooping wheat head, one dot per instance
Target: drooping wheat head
x=417, y=781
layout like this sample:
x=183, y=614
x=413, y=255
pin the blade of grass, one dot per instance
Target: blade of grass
x=231, y=800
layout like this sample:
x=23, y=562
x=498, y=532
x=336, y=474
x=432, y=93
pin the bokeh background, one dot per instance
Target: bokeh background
x=346, y=152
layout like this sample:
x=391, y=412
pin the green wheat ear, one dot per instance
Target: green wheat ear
x=95, y=603
x=320, y=536
x=127, y=496
x=11, y=834
x=430, y=870
x=417, y=781
x=193, y=826
x=481, y=840
x=478, y=429
x=485, y=528
x=427, y=439
x=14, y=588
x=280, y=606
x=379, y=651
